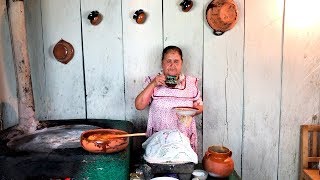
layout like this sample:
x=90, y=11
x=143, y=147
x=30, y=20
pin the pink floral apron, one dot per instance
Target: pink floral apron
x=162, y=115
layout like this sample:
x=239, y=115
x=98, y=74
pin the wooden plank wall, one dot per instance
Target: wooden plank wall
x=103, y=60
x=301, y=77
x=262, y=89
x=63, y=88
x=8, y=95
x=260, y=80
x=223, y=88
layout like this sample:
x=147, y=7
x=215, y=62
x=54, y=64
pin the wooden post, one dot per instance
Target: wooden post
x=27, y=122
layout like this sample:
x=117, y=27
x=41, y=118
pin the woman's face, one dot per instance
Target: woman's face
x=172, y=63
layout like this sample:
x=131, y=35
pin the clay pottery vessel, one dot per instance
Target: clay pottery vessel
x=140, y=16
x=221, y=15
x=218, y=162
x=95, y=18
x=186, y=5
x=63, y=51
x=99, y=141
x=171, y=81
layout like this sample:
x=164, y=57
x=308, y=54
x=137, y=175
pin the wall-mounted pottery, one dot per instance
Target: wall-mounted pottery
x=63, y=51
x=221, y=15
x=140, y=16
x=186, y=5
x=95, y=18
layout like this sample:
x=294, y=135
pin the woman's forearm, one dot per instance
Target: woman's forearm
x=144, y=98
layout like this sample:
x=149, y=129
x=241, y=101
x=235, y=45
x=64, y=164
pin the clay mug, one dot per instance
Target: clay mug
x=140, y=16
x=171, y=81
x=186, y=5
x=95, y=18
x=218, y=162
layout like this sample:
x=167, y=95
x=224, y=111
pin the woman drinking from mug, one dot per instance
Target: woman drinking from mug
x=167, y=90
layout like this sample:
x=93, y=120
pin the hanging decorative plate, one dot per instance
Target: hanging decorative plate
x=221, y=16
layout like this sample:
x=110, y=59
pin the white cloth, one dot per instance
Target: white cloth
x=169, y=146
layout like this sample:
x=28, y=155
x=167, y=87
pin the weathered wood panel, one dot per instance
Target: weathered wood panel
x=185, y=30
x=301, y=77
x=36, y=54
x=103, y=60
x=63, y=91
x=262, y=89
x=142, y=52
x=223, y=87
x=8, y=91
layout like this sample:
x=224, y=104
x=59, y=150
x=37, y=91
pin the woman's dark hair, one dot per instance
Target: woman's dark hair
x=171, y=48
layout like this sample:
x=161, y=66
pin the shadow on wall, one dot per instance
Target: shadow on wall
x=7, y=112
x=8, y=95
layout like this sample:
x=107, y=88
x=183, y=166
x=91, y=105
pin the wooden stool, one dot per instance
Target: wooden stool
x=309, y=152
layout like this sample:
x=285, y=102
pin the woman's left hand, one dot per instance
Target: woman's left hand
x=199, y=107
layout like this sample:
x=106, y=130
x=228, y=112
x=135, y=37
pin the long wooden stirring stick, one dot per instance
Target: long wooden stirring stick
x=125, y=135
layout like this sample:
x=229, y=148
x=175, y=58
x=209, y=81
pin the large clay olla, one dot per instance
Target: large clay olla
x=97, y=141
x=218, y=162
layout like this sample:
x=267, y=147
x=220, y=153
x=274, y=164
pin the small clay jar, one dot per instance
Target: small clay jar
x=95, y=18
x=140, y=16
x=218, y=162
x=63, y=51
x=186, y=5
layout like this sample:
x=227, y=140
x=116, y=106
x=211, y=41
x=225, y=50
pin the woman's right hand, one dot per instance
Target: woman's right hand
x=159, y=80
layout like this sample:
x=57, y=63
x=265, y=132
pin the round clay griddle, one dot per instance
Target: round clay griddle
x=221, y=15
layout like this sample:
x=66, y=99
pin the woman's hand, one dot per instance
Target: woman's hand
x=159, y=80
x=144, y=98
x=198, y=106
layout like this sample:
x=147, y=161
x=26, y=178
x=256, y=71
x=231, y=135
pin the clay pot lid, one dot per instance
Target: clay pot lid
x=221, y=15
x=63, y=51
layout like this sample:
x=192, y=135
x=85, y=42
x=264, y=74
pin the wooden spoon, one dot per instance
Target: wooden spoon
x=124, y=135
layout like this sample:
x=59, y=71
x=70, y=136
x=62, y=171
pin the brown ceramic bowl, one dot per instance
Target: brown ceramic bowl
x=63, y=51
x=96, y=141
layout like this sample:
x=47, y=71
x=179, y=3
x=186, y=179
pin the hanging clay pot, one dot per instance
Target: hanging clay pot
x=218, y=162
x=221, y=16
x=63, y=51
x=140, y=16
x=186, y=5
x=95, y=18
